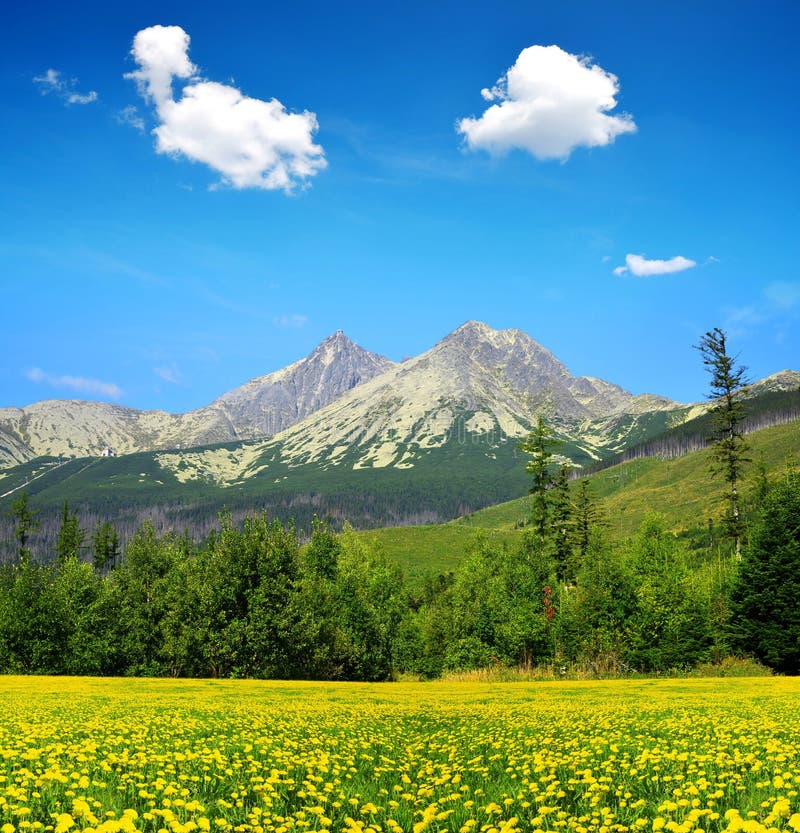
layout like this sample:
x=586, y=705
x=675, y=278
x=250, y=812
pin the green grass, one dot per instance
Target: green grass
x=441, y=546
x=684, y=489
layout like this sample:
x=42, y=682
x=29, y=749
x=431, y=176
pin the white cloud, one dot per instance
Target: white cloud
x=777, y=308
x=250, y=142
x=287, y=321
x=53, y=82
x=641, y=267
x=130, y=115
x=550, y=103
x=783, y=294
x=169, y=373
x=81, y=384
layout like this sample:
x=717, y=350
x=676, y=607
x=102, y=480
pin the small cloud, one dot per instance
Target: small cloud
x=80, y=384
x=741, y=320
x=290, y=321
x=169, y=374
x=76, y=98
x=53, y=82
x=641, y=267
x=251, y=143
x=783, y=294
x=550, y=102
x=130, y=116
x=776, y=309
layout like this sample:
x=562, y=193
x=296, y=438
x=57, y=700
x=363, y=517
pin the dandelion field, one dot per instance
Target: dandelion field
x=163, y=756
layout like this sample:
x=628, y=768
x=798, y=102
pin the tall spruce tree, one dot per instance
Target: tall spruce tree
x=729, y=449
x=105, y=546
x=540, y=445
x=561, y=525
x=585, y=518
x=70, y=536
x=26, y=522
x=765, y=601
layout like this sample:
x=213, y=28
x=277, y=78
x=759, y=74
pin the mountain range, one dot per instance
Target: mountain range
x=262, y=407
x=343, y=431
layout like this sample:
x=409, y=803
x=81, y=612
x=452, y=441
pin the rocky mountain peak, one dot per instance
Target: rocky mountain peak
x=476, y=334
x=509, y=355
x=336, y=342
x=471, y=329
x=269, y=404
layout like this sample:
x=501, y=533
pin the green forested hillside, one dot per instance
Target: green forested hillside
x=457, y=478
x=682, y=489
x=252, y=598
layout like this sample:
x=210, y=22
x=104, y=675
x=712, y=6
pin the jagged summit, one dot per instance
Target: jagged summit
x=269, y=404
x=471, y=332
x=335, y=341
x=472, y=328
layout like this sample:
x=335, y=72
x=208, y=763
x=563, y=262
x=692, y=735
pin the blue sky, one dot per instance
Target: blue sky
x=166, y=236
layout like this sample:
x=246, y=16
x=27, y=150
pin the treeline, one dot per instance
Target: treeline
x=763, y=411
x=367, y=499
x=251, y=601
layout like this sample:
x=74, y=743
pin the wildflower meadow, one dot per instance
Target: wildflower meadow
x=178, y=756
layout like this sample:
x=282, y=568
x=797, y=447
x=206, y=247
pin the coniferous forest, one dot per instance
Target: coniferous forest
x=251, y=601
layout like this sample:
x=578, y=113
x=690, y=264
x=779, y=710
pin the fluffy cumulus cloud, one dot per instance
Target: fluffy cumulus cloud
x=548, y=103
x=642, y=267
x=65, y=88
x=80, y=384
x=251, y=143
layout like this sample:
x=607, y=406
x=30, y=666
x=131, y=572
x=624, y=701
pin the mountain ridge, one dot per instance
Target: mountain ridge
x=344, y=403
x=488, y=385
x=262, y=406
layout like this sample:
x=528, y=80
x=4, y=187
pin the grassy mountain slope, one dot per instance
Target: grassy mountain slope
x=682, y=489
